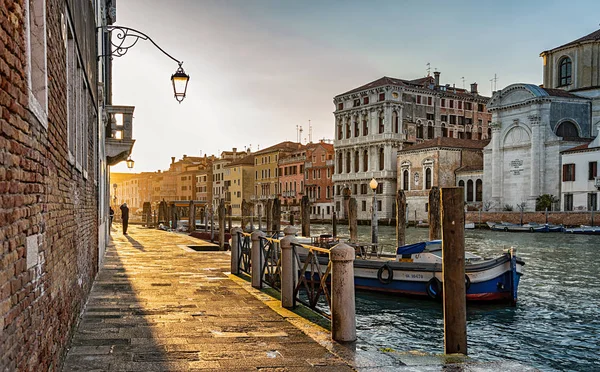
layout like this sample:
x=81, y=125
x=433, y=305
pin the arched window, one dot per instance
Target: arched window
x=356, y=161
x=381, y=159
x=567, y=129
x=366, y=161
x=444, y=130
x=348, y=162
x=395, y=121
x=339, y=167
x=470, y=190
x=356, y=129
x=427, y=178
x=478, y=190
x=365, y=124
x=489, y=133
x=381, y=124
x=461, y=183
x=430, y=131
x=564, y=71
x=419, y=130
x=340, y=131
x=405, y=180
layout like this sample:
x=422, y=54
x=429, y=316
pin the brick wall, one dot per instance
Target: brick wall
x=48, y=214
x=564, y=218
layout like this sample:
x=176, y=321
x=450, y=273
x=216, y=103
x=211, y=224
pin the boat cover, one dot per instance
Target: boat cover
x=415, y=248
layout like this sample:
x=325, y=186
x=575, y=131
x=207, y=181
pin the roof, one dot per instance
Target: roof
x=584, y=146
x=246, y=160
x=594, y=36
x=285, y=146
x=561, y=93
x=470, y=168
x=449, y=142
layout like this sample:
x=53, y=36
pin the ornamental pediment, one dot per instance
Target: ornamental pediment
x=516, y=94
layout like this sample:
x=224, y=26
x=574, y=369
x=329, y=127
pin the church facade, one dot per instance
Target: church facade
x=532, y=124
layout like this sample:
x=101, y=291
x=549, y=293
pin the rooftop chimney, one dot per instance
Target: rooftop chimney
x=437, y=77
x=184, y=156
x=474, y=88
x=172, y=159
x=234, y=150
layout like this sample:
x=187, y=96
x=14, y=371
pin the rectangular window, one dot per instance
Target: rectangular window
x=452, y=119
x=426, y=207
x=379, y=205
x=592, y=201
x=365, y=100
x=568, y=206
x=451, y=103
x=444, y=118
x=418, y=100
x=357, y=102
x=480, y=107
x=592, y=170
x=468, y=106
x=429, y=101
x=37, y=76
x=460, y=105
x=443, y=102
x=363, y=188
x=461, y=120
x=364, y=205
x=568, y=172
x=381, y=97
x=340, y=106
x=430, y=116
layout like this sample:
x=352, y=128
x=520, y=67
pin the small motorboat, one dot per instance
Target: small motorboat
x=416, y=270
x=527, y=227
x=469, y=225
x=584, y=230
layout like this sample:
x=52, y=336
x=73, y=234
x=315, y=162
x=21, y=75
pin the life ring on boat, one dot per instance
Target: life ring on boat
x=531, y=229
x=467, y=282
x=390, y=274
x=434, y=288
x=506, y=229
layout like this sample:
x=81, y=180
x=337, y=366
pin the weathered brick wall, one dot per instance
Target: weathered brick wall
x=565, y=218
x=44, y=200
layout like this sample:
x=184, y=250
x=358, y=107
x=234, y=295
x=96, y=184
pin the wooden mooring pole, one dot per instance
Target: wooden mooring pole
x=352, y=220
x=334, y=225
x=400, y=218
x=244, y=214
x=222, y=212
x=305, y=211
x=192, y=217
x=276, y=215
x=434, y=214
x=269, y=216
x=453, y=270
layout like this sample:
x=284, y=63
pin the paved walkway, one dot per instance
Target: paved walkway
x=158, y=306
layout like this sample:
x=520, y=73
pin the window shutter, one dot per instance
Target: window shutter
x=564, y=171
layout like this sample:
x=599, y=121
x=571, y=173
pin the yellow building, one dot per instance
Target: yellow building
x=239, y=177
x=266, y=168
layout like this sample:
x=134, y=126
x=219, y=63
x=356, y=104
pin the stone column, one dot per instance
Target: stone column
x=361, y=159
x=256, y=258
x=289, y=273
x=192, y=217
x=536, y=153
x=343, y=306
x=496, y=166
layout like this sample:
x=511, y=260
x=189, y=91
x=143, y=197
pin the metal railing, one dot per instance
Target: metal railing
x=244, y=252
x=270, y=256
x=311, y=276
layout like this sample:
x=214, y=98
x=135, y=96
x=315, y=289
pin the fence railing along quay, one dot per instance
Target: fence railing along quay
x=293, y=268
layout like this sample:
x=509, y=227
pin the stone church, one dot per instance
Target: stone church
x=532, y=124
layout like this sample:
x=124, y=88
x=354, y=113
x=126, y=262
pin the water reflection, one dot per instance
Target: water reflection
x=555, y=326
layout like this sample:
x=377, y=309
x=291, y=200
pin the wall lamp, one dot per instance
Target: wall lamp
x=130, y=162
x=127, y=38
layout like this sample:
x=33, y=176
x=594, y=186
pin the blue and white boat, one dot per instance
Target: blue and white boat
x=584, y=230
x=416, y=270
x=528, y=227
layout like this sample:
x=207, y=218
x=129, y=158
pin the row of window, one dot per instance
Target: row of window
x=354, y=128
x=365, y=162
x=427, y=100
x=264, y=159
x=592, y=202
x=365, y=101
x=568, y=171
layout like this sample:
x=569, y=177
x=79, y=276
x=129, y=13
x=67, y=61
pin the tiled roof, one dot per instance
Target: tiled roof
x=285, y=146
x=590, y=37
x=377, y=83
x=561, y=93
x=470, y=168
x=577, y=148
x=246, y=160
x=449, y=142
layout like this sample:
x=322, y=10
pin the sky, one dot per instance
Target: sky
x=260, y=68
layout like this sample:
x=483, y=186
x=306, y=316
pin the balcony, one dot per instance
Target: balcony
x=292, y=159
x=119, y=141
x=385, y=174
x=288, y=194
x=364, y=140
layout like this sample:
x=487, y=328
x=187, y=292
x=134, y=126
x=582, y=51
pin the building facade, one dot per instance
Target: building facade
x=318, y=179
x=533, y=124
x=239, y=174
x=376, y=120
x=220, y=185
x=580, y=184
x=291, y=180
x=441, y=162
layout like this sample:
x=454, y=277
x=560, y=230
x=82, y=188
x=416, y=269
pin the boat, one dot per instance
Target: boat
x=469, y=225
x=528, y=227
x=416, y=270
x=584, y=230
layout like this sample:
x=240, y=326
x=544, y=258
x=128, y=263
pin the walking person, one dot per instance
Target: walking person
x=125, y=217
x=111, y=213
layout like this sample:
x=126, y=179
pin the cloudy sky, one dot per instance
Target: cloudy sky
x=259, y=68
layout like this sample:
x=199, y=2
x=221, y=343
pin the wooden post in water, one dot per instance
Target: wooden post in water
x=192, y=217
x=305, y=211
x=276, y=215
x=453, y=270
x=434, y=214
x=229, y=217
x=334, y=224
x=269, y=213
x=205, y=218
x=212, y=226
x=222, y=211
x=259, y=213
x=244, y=214
x=251, y=215
x=352, y=220
x=415, y=218
x=400, y=218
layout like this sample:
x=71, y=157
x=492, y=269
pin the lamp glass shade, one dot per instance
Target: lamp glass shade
x=180, y=81
x=373, y=184
x=130, y=163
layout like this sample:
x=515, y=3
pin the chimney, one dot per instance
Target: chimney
x=172, y=159
x=437, y=77
x=184, y=156
x=474, y=88
x=234, y=150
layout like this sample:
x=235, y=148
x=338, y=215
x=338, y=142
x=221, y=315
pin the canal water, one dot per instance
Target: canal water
x=554, y=327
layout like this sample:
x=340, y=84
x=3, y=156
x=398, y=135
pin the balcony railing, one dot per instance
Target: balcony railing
x=295, y=159
x=119, y=141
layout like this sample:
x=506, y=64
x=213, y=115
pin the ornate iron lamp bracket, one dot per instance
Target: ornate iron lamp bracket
x=126, y=38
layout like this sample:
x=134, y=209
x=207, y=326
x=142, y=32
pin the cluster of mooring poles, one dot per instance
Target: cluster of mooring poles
x=446, y=221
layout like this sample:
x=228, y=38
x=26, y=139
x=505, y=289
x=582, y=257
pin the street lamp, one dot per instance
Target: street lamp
x=374, y=233
x=130, y=162
x=127, y=38
x=115, y=194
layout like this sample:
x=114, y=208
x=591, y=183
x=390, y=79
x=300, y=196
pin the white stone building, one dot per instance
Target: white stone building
x=533, y=124
x=580, y=179
x=219, y=184
x=376, y=120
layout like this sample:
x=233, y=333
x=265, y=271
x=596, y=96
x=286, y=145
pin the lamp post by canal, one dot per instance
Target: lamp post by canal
x=374, y=233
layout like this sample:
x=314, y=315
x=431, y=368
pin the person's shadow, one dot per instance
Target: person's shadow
x=134, y=243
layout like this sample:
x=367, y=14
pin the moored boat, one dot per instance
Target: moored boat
x=528, y=227
x=416, y=270
x=584, y=230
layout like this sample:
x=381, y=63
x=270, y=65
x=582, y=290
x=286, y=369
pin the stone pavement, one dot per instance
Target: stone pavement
x=156, y=305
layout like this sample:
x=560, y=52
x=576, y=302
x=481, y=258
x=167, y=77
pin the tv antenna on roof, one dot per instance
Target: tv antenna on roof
x=428, y=69
x=309, y=131
x=494, y=83
x=463, y=79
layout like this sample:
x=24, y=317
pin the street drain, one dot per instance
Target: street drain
x=204, y=248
